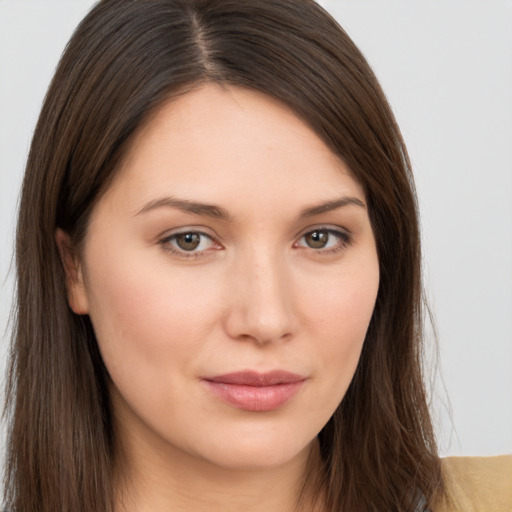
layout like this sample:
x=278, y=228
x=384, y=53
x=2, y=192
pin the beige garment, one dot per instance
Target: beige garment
x=478, y=484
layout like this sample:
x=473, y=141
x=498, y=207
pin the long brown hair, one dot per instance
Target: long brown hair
x=125, y=59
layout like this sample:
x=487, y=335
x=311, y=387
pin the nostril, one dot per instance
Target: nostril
x=260, y=303
x=246, y=324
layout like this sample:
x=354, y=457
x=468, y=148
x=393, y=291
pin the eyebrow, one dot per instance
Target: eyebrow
x=218, y=212
x=185, y=205
x=330, y=206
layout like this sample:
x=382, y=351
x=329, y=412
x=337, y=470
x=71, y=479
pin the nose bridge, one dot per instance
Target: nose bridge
x=261, y=308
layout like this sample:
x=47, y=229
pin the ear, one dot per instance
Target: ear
x=77, y=296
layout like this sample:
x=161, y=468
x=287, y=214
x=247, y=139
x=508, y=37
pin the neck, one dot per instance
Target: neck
x=152, y=479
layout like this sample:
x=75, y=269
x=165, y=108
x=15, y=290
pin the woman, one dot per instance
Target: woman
x=219, y=298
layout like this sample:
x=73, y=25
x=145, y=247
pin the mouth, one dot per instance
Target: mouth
x=256, y=392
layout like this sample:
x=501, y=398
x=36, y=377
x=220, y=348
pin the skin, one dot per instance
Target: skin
x=254, y=295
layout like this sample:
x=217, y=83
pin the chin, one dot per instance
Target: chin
x=256, y=452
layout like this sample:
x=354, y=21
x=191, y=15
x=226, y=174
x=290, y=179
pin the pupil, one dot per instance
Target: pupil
x=188, y=241
x=317, y=239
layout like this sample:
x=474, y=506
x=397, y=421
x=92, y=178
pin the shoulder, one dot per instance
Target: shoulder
x=476, y=484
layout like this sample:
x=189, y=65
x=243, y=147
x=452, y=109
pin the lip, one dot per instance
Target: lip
x=254, y=391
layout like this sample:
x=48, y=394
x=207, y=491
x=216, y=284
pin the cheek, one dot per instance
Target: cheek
x=340, y=313
x=148, y=318
x=343, y=301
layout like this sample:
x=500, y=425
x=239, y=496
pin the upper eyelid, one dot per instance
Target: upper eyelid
x=182, y=231
x=334, y=229
x=344, y=235
x=165, y=243
x=327, y=227
x=186, y=231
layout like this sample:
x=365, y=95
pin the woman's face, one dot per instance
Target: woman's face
x=230, y=273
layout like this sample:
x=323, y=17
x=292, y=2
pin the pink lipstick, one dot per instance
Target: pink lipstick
x=253, y=391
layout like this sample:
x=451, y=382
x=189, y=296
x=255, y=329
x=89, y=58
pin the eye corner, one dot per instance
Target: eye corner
x=194, y=243
x=342, y=239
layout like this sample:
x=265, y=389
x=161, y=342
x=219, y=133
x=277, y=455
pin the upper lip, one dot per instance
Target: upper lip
x=257, y=379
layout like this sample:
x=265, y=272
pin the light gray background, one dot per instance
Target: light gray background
x=446, y=66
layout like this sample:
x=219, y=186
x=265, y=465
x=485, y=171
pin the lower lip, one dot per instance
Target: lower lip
x=255, y=398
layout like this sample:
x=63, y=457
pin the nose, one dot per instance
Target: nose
x=260, y=300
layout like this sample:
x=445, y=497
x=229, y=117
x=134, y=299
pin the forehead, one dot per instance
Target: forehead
x=218, y=142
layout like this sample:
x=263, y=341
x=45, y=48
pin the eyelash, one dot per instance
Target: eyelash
x=166, y=243
x=344, y=240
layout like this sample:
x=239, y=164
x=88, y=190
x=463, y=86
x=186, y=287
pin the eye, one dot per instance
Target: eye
x=324, y=239
x=189, y=243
